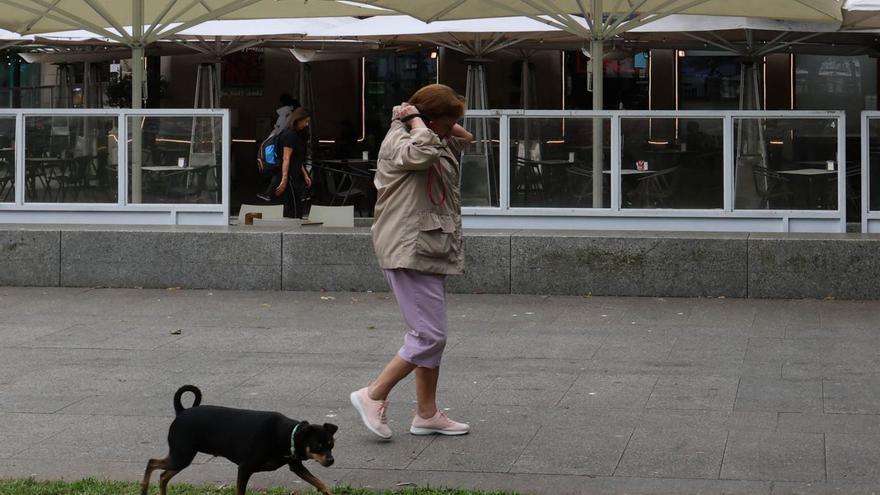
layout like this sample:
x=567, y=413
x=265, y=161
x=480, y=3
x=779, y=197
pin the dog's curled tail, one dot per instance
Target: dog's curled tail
x=178, y=407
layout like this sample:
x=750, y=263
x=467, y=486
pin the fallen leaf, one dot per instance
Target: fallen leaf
x=264, y=305
x=371, y=327
x=176, y=332
x=328, y=298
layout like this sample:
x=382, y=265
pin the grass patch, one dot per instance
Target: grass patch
x=103, y=487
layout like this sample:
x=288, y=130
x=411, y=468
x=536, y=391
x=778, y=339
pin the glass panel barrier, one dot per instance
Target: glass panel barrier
x=70, y=159
x=179, y=159
x=672, y=163
x=874, y=164
x=7, y=159
x=480, y=163
x=785, y=163
x=551, y=162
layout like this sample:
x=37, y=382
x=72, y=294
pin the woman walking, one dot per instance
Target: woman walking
x=418, y=241
x=295, y=181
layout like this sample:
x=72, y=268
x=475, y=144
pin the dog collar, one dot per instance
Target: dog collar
x=292, y=445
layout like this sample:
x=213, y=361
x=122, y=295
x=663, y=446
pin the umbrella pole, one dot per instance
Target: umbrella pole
x=524, y=84
x=137, y=77
x=137, y=88
x=597, y=55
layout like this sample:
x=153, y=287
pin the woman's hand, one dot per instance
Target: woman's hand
x=308, y=179
x=281, y=187
x=405, y=110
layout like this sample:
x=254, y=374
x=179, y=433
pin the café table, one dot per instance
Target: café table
x=174, y=170
x=809, y=174
x=633, y=174
x=355, y=163
x=552, y=176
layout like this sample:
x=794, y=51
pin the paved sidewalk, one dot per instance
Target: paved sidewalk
x=564, y=394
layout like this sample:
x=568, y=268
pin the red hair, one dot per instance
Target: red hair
x=439, y=100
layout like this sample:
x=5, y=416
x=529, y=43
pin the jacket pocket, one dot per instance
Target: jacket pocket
x=435, y=238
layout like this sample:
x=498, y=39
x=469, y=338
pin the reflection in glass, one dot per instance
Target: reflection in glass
x=70, y=159
x=784, y=164
x=7, y=159
x=479, y=163
x=551, y=162
x=389, y=80
x=672, y=163
x=625, y=82
x=709, y=82
x=180, y=160
x=874, y=164
x=825, y=82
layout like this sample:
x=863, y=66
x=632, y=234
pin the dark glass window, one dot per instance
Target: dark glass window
x=626, y=81
x=391, y=79
x=708, y=82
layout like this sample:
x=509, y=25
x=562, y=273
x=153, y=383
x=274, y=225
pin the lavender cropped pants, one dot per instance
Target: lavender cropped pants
x=422, y=300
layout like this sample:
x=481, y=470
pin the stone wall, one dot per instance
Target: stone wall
x=844, y=266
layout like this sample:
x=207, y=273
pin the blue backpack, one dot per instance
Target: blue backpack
x=268, y=156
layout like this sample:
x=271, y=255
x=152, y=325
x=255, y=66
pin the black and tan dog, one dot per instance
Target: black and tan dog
x=254, y=440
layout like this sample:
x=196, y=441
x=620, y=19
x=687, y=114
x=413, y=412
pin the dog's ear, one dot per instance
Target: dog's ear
x=331, y=428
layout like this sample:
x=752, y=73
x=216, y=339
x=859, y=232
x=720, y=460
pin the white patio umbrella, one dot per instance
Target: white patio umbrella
x=217, y=39
x=9, y=39
x=861, y=14
x=213, y=39
x=609, y=18
x=737, y=35
x=750, y=39
x=478, y=39
x=154, y=20
x=606, y=19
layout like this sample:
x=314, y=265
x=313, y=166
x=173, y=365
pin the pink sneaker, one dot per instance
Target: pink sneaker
x=372, y=412
x=439, y=424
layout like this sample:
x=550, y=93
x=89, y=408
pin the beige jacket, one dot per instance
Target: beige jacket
x=412, y=228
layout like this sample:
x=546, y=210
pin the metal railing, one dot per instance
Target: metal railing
x=108, y=166
x=756, y=171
